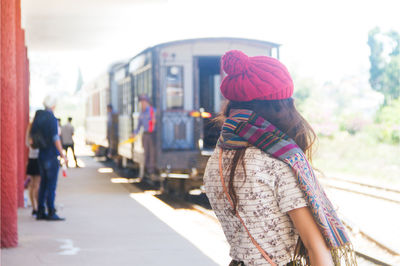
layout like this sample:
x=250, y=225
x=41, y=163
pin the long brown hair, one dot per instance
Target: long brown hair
x=282, y=114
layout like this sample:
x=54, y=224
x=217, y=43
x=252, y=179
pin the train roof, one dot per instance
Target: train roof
x=120, y=64
x=210, y=39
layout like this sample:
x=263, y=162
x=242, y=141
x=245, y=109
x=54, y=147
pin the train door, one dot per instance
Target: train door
x=125, y=116
x=116, y=75
x=210, y=99
x=177, y=124
x=141, y=84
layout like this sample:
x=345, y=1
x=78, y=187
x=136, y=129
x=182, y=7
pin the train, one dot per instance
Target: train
x=182, y=80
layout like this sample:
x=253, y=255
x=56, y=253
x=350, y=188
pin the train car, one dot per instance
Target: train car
x=182, y=79
x=121, y=81
x=97, y=98
x=99, y=94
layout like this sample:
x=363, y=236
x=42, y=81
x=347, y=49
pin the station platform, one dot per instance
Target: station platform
x=105, y=225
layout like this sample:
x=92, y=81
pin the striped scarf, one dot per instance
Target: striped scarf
x=244, y=127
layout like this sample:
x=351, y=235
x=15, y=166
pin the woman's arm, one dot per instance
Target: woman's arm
x=311, y=237
x=28, y=140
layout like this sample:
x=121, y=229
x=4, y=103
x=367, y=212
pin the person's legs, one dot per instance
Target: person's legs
x=149, y=152
x=146, y=148
x=65, y=147
x=35, y=187
x=152, y=154
x=109, y=151
x=73, y=153
x=42, y=191
x=52, y=183
x=52, y=186
x=31, y=189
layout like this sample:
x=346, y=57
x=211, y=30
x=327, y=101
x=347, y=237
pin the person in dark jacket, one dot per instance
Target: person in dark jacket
x=46, y=126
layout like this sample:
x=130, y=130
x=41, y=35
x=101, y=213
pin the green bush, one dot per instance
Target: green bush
x=353, y=123
x=388, y=117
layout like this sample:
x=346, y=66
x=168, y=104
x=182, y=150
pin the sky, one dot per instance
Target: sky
x=322, y=40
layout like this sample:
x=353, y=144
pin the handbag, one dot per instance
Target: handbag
x=27, y=181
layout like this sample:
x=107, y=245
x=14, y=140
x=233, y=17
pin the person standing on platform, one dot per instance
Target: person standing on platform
x=67, y=132
x=112, y=131
x=45, y=136
x=32, y=172
x=259, y=180
x=147, y=121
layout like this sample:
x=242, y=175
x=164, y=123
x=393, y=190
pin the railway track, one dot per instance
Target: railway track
x=372, y=191
x=369, y=249
x=372, y=250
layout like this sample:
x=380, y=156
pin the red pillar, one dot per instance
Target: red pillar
x=9, y=232
x=25, y=92
x=26, y=87
x=20, y=115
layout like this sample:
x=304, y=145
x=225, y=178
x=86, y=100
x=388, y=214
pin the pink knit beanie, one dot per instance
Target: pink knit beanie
x=254, y=78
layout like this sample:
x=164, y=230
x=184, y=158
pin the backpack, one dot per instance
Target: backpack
x=39, y=141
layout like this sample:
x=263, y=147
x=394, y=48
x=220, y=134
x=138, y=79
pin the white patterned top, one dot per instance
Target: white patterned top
x=265, y=194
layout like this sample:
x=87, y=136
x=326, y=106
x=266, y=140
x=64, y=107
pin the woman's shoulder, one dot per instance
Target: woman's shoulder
x=252, y=155
x=268, y=161
x=268, y=169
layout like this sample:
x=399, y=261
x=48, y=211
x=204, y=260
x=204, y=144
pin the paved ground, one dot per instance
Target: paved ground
x=106, y=225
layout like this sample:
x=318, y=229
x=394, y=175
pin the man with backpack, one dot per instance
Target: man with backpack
x=44, y=135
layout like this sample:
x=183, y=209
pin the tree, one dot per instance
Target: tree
x=385, y=68
x=376, y=60
x=391, y=78
x=389, y=119
x=395, y=36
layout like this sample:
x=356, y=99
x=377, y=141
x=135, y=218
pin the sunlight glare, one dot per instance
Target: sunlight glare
x=104, y=170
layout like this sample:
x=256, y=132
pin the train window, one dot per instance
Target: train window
x=274, y=52
x=149, y=83
x=140, y=83
x=143, y=83
x=174, y=87
x=96, y=104
x=88, y=113
x=108, y=98
x=125, y=96
x=136, y=85
x=120, y=98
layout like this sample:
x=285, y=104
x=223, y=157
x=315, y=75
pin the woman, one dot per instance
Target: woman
x=259, y=181
x=32, y=172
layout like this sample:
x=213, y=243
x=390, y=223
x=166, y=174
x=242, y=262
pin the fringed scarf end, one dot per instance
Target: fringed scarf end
x=344, y=255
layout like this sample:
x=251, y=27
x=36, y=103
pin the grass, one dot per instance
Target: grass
x=359, y=157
